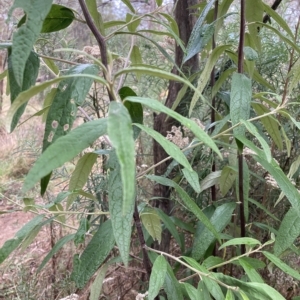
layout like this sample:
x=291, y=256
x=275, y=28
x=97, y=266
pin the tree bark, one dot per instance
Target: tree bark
x=185, y=19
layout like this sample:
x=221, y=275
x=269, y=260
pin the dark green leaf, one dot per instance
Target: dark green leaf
x=93, y=255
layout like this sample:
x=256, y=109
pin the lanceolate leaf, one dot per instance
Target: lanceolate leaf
x=171, y=285
x=10, y=245
x=270, y=123
x=68, y=147
x=55, y=249
x=81, y=174
x=240, y=99
x=241, y=241
x=157, y=277
x=151, y=222
x=169, y=147
x=93, y=255
x=23, y=40
x=121, y=223
x=31, y=70
x=96, y=15
x=227, y=179
x=254, y=290
x=210, y=180
x=205, y=75
x=70, y=93
x=283, y=266
x=198, y=132
x=97, y=284
x=192, y=178
x=190, y=204
x=219, y=220
x=199, y=32
x=121, y=135
x=192, y=292
x=288, y=231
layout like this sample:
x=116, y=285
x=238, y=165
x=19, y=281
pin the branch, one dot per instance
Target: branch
x=274, y=6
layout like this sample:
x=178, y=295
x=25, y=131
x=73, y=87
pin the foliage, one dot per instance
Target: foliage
x=254, y=121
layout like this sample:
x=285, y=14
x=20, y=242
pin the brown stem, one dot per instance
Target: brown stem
x=100, y=39
x=138, y=225
x=274, y=6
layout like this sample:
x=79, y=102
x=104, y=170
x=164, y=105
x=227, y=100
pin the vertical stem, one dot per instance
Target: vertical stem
x=240, y=151
x=138, y=225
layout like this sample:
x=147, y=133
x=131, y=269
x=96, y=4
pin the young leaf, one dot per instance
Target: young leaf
x=192, y=178
x=121, y=223
x=159, y=2
x=68, y=147
x=129, y=5
x=96, y=15
x=96, y=287
x=157, y=277
x=55, y=249
x=120, y=132
x=250, y=271
x=80, y=174
x=93, y=255
x=151, y=221
x=281, y=265
x=190, y=204
x=227, y=179
x=210, y=180
x=288, y=231
x=10, y=245
x=205, y=75
x=240, y=99
x=30, y=75
x=199, y=133
x=83, y=228
x=172, y=149
x=25, y=37
x=229, y=295
x=220, y=219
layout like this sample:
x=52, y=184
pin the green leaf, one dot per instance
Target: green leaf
x=254, y=11
x=132, y=23
x=250, y=53
x=151, y=221
x=240, y=99
x=159, y=2
x=170, y=226
x=10, y=245
x=227, y=179
x=224, y=76
x=266, y=211
x=270, y=124
x=25, y=37
x=96, y=15
x=80, y=174
x=157, y=277
x=121, y=135
x=220, y=219
x=68, y=147
x=250, y=271
x=171, y=285
x=199, y=133
x=121, y=223
x=136, y=59
x=190, y=204
x=93, y=255
x=70, y=93
x=281, y=265
x=203, y=291
x=192, y=178
x=31, y=70
x=26, y=95
x=58, y=18
x=205, y=75
x=274, y=169
x=55, y=249
x=294, y=73
x=192, y=292
x=129, y=5
x=210, y=180
x=135, y=109
x=196, y=43
x=96, y=287
x=281, y=22
x=83, y=228
x=288, y=231
x=172, y=149
x=229, y=295
x=253, y=130
x=254, y=290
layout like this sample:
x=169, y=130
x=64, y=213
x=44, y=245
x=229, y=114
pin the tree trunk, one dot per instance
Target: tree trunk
x=185, y=20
